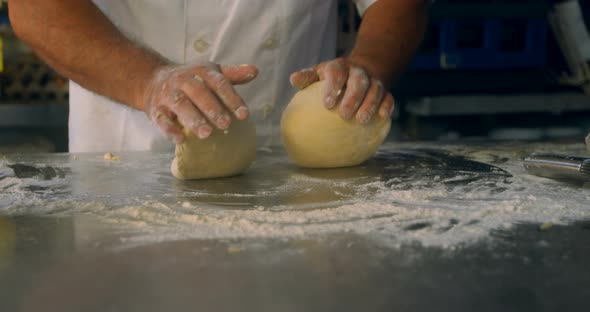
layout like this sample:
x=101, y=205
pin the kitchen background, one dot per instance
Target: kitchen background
x=488, y=69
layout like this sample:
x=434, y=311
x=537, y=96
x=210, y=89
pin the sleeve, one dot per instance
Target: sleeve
x=363, y=5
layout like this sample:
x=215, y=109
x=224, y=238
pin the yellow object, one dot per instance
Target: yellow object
x=316, y=137
x=7, y=242
x=223, y=154
x=546, y=226
x=1, y=56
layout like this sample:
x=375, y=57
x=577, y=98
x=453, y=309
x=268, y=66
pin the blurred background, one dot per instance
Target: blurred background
x=488, y=69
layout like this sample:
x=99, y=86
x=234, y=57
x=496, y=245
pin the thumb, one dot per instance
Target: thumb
x=240, y=74
x=303, y=78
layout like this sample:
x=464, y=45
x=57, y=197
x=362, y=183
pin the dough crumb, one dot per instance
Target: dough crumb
x=234, y=249
x=75, y=157
x=546, y=226
x=187, y=205
x=111, y=157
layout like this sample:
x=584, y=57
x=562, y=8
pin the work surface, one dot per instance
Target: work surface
x=420, y=227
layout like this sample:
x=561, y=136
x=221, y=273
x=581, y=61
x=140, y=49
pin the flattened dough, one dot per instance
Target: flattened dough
x=316, y=137
x=220, y=155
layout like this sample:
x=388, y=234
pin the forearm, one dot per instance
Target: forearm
x=75, y=38
x=390, y=34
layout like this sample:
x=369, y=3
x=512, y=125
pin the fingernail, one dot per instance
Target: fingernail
x=178, y=139
x=329, y=101
x=242, y=112
x=204, y=132
x=215, y=75
x=363, y=117
x=198, y=79
x=223, y=121
x=345, y=114
x=211, y=114
x=390, y=113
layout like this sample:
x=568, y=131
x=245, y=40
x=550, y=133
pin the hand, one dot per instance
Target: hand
x=359, y=94
x=196, y=97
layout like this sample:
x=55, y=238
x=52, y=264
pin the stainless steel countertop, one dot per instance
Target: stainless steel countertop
x=79, y=233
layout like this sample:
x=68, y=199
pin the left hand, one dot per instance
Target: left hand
x=360, y=94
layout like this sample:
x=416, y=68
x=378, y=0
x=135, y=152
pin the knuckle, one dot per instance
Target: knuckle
x=222, y=84
x=211, y=114
x=373, y=108
x=352, y=102
x=357, y=71
x=379, y=86
x=389, y=99
x=356, y=90
x=195, y=87
x=166, y=125
x=215, y=75
x=187, y=85
x=376, y=97
x=335, y=66
x=158, y=113
x=341, y=80
x=195, y=123
x=307, y=71
x=364, y=82
x=341, y=61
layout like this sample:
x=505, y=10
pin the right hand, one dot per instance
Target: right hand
x=197, y=97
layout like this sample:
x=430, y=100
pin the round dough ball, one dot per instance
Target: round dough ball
x=316, y=137
x=223, y=154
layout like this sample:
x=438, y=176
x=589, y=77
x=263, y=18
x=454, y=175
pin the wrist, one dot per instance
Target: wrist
x=145, y=84
x=368, y=64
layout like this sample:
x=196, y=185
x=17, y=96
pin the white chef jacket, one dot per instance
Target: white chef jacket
x=278, y=36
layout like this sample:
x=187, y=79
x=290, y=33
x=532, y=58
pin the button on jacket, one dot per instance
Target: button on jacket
x=278, y=36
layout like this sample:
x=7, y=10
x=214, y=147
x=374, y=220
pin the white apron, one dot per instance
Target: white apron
x=278, y=36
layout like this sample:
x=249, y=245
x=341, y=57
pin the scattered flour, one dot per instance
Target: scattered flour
x=432, y=214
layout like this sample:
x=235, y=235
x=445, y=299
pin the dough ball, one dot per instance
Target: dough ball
x=316, y=137
x=223, y=154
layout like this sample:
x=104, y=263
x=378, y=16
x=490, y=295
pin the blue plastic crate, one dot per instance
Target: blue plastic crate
x=485, y=44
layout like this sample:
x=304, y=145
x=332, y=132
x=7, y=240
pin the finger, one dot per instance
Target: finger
x=303, y=78
x=356, y=89
x=371, y=102
x=224, y=90
x=189, y=116
x=168, y=126
x=387, y=106
x=198, y=92
x=335, y=74
x=240, y=74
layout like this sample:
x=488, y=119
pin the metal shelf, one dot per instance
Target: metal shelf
x=498, y=104
x=33, y=114
x=530, y=9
